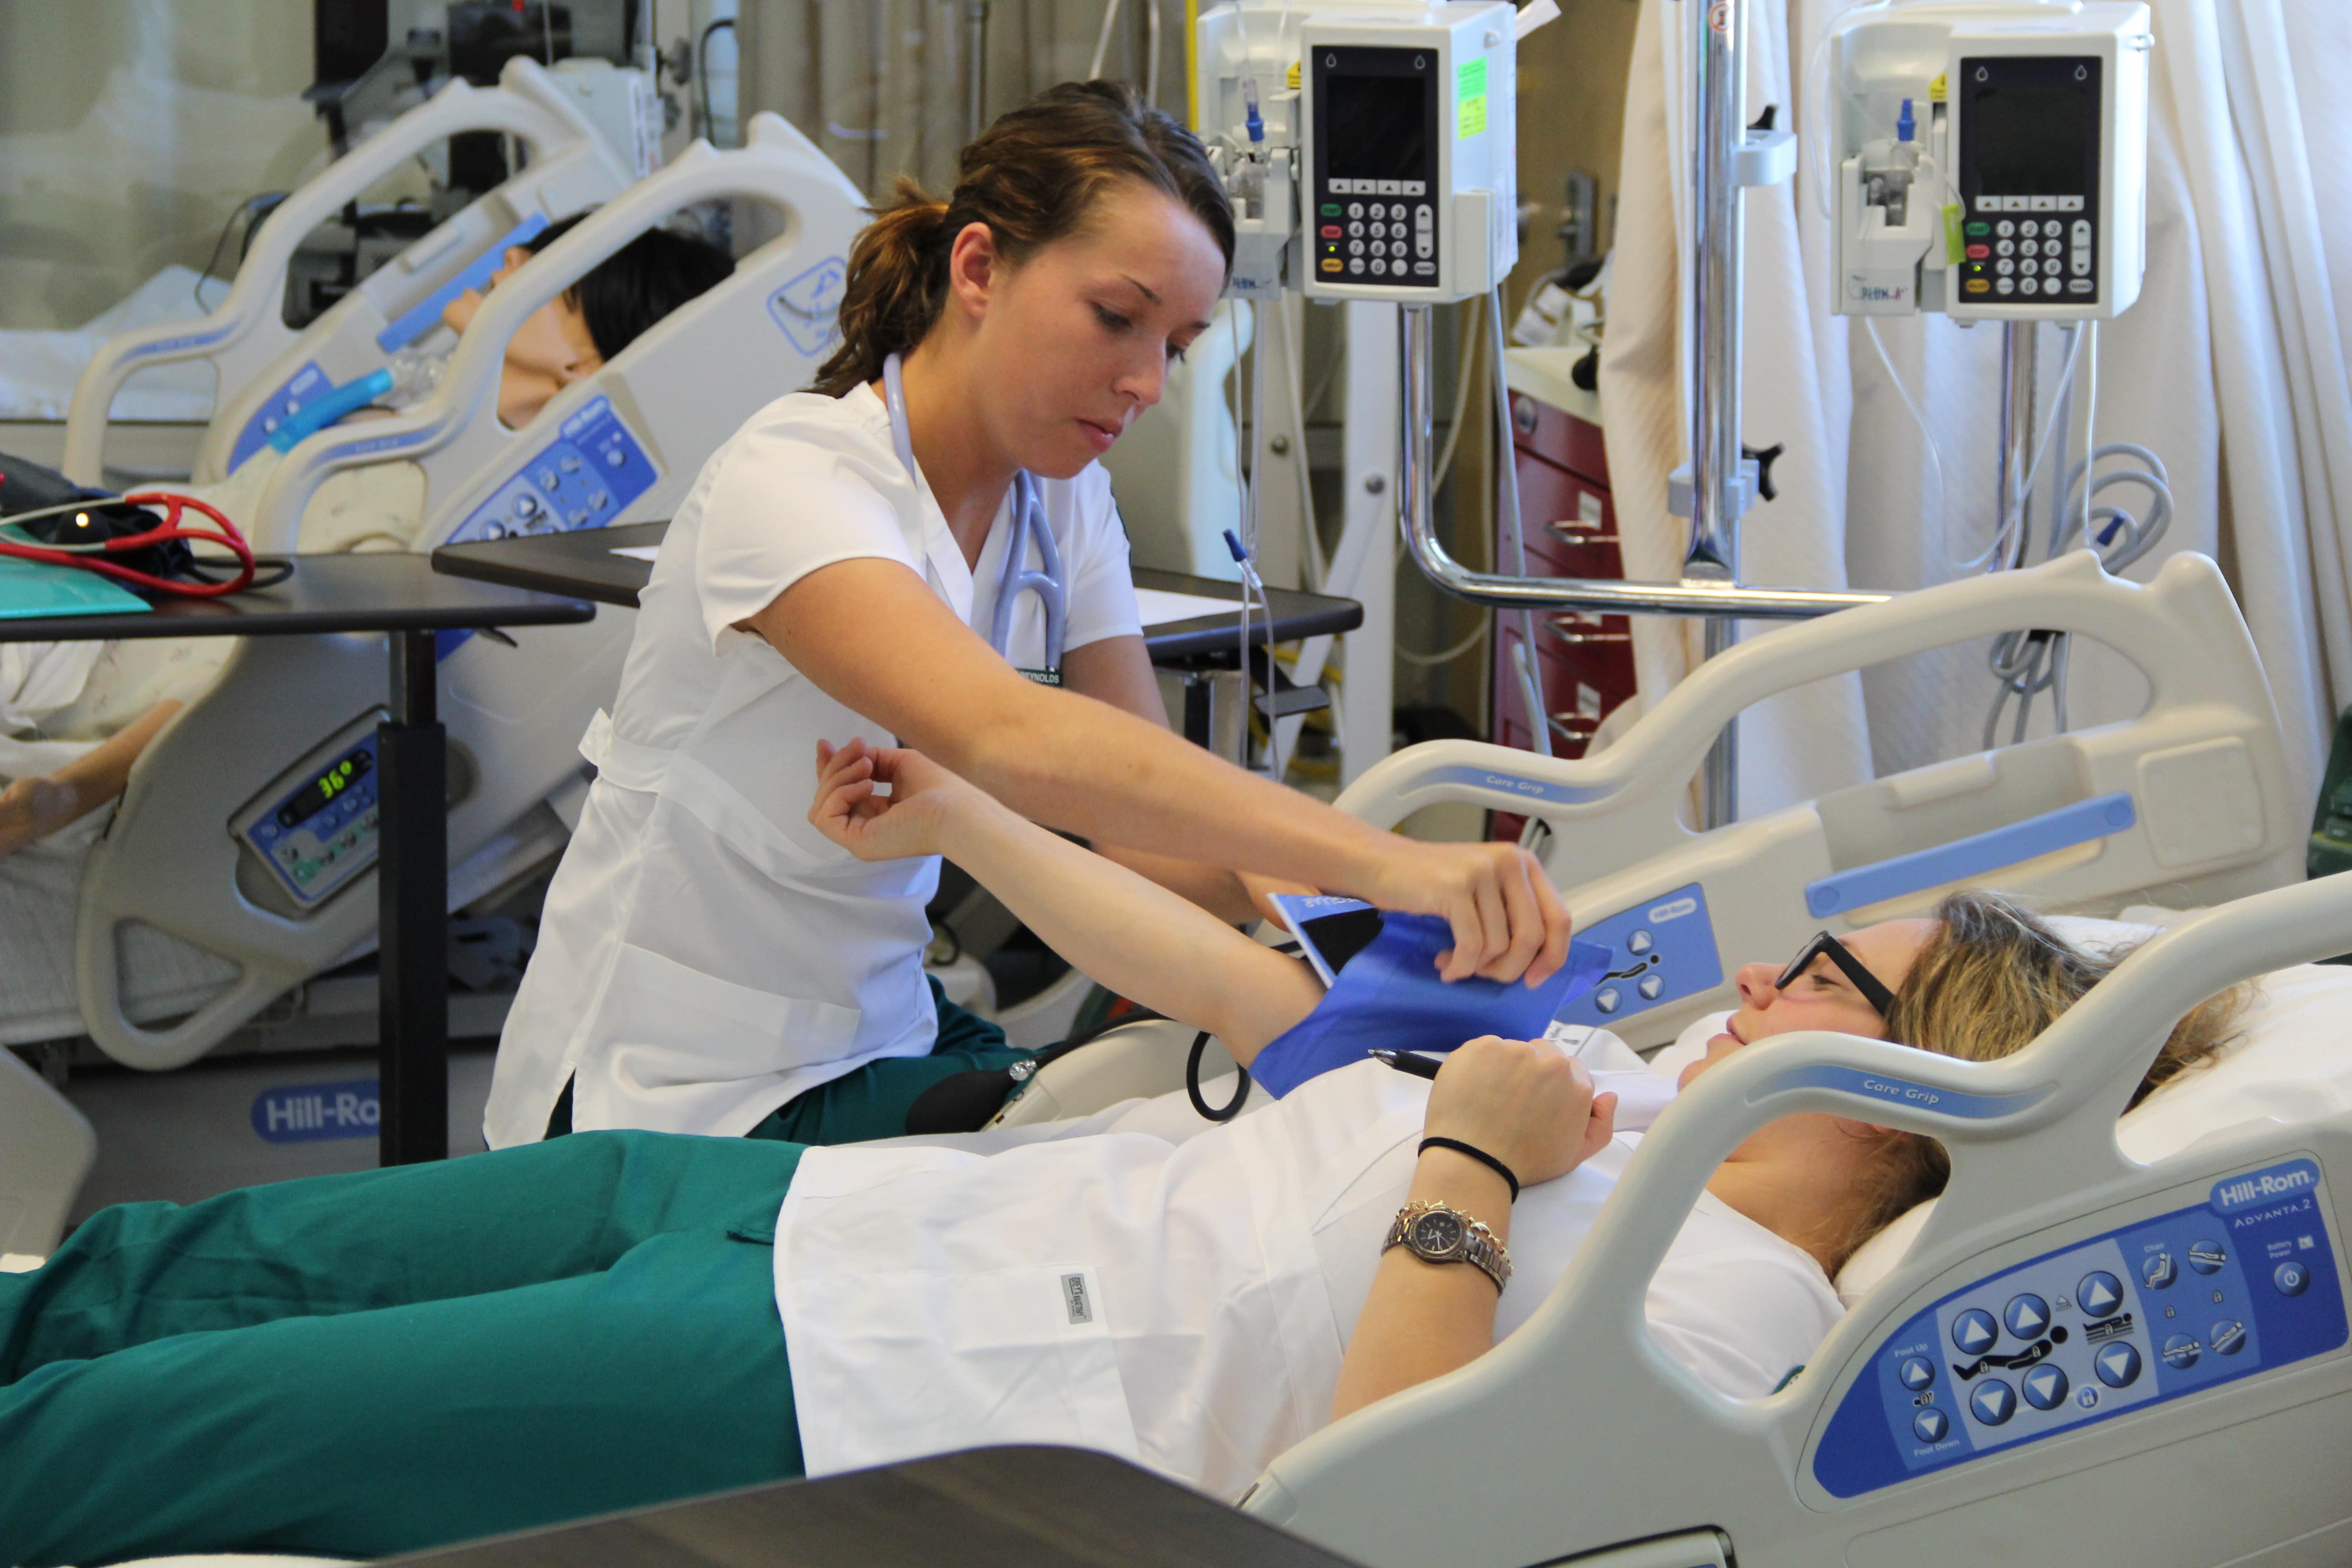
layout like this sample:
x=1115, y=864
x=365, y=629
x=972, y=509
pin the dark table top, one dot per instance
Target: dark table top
x=989, y=1508
x=582, y=565
x=375, y=593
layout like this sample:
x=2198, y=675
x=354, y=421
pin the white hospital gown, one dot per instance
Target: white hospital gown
x=1185, y=1304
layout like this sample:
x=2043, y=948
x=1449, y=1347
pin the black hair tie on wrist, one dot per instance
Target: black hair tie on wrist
x=1478, y=1154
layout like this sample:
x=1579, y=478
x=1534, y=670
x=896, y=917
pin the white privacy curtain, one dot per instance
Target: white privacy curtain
x=2231, y=367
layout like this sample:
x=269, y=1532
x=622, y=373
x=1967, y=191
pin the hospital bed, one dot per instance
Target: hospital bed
x=264, y=371
x=2199, y=1412
x=193, y=902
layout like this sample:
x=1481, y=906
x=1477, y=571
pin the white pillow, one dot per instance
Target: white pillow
x=2291, y=1062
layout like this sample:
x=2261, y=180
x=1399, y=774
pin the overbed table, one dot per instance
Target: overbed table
x=586, y=565
x=987, y=1508
x=401, y=596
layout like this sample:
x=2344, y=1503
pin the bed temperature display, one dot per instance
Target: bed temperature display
x=319, y=831
x=2161, y=1310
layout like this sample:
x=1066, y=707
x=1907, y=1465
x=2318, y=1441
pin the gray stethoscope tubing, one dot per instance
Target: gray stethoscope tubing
x=1028, y=528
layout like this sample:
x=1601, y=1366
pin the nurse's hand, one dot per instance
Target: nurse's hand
x=912, y=819
x=1527, y=1103
x=1508, y=920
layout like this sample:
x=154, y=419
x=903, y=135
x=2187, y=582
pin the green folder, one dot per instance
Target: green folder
x=29, y=589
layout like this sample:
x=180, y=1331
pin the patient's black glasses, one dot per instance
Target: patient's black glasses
x=1823, y=944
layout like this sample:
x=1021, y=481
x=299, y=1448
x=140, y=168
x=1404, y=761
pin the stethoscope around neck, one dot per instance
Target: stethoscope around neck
x=1028, y=528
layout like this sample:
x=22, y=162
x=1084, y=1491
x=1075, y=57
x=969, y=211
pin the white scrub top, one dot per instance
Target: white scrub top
x=705, y=954
x=1185, y=1305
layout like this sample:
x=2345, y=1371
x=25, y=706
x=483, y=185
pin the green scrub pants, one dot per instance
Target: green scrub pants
x=364, y=1365
x=872, y=1102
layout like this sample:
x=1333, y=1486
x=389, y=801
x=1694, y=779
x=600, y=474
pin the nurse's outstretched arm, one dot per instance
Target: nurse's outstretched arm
x=1132, y=935
x=875, y=638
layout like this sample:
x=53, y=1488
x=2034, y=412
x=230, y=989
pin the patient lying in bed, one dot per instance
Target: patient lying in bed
x=74, y=716
x=362, y=1365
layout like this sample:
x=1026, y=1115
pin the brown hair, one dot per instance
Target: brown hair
x=1991, y=980
x=1032, y=178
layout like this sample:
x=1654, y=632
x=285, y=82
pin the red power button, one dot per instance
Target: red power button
x=1330, y=231
x=1978, y=252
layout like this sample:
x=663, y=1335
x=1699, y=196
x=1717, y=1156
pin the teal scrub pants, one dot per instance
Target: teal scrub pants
x=873, y=1102
x=364, y=1365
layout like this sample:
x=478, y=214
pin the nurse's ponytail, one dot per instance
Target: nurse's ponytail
x=1032, y=178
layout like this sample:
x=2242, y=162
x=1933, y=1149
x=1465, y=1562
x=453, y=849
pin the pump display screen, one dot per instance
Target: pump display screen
x=2029, y=127
x=326, y=788
x=1374, y=182
x=1377, y=127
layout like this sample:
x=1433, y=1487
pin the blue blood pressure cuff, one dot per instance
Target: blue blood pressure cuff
x=1389, y=997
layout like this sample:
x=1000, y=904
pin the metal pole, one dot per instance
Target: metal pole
x=975, y=47
x=1716, y=273
x=2020, y=351
x=412, y=913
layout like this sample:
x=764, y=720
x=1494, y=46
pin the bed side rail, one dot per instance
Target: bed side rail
x=248, y=328
x=2036, y=1171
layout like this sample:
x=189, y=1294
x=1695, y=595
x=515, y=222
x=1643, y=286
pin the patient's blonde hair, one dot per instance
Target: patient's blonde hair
x=1991, y=980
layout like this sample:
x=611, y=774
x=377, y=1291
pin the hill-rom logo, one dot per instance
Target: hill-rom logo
x=2288, y=1181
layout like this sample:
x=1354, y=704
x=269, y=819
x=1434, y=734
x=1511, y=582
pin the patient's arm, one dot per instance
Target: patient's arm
x=1132, y=935
x=32, y=809
x=1531, y=1107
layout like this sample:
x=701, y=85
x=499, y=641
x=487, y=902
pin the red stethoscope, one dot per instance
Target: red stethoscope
x=93, y=556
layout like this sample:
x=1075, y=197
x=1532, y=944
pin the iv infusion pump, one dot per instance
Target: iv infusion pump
x=1991, y=159
x=1370, y=147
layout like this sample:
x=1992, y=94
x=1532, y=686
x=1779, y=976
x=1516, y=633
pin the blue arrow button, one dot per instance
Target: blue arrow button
x=2027, y=1316
x=2045, y=1387
x=2117, y=1365
x=1994, y=1403
x=1974, y=1331
x=2100, y=1294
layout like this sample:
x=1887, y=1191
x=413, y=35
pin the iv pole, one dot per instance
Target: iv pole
x=1727, y=156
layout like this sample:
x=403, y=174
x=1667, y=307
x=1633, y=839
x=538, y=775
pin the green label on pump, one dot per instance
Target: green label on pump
x=1470, y=97
x=1954, y=246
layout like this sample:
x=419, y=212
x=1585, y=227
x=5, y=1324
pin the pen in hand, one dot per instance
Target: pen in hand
x=1408, y=1062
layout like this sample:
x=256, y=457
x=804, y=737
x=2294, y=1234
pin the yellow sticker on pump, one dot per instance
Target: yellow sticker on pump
x=1470, y=97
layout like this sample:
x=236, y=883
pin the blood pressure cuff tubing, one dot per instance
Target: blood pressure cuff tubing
x=1389, y=997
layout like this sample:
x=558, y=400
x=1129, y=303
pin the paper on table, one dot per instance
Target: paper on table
x=637, y=551
x=1160, y=607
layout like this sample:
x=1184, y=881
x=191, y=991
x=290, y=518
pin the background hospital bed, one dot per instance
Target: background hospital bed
x=262, y=367
x=621, y=446
x=2185, y=804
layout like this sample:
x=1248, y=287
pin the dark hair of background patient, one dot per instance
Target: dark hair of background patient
x=640, y=283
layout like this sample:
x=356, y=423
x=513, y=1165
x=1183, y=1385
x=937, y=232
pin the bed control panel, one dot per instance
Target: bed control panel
x=1661, y=951
x=2161, y=1310
x=316, y=827
x=584, y=478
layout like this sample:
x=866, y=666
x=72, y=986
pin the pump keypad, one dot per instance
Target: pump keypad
x=2099, y=1328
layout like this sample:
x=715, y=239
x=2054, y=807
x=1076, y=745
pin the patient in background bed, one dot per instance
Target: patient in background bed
x=74, y=716
x=357, y=1365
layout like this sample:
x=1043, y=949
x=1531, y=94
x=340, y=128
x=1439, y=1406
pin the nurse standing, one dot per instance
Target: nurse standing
x=705, y=957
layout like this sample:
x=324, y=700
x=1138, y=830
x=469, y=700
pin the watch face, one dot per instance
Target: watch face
x=1439, y=1235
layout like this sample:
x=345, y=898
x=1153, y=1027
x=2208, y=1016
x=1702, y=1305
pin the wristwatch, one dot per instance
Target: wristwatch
x=1438, y=1233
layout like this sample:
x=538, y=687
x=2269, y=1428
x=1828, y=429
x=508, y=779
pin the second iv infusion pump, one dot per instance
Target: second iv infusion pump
x=1991, y=159
x=1370, y=147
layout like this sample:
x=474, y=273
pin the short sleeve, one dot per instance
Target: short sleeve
x=1742, y=1313
x=1101, y=582
x=800, y=488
